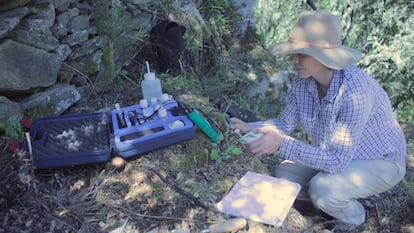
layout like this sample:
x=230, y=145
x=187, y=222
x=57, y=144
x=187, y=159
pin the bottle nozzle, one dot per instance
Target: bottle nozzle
x=148, y=67
x=149, y=74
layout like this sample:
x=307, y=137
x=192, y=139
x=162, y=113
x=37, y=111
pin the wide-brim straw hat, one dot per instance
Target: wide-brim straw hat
x=318, y=34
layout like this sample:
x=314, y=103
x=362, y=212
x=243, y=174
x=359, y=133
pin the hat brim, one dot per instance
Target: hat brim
x=334, y=58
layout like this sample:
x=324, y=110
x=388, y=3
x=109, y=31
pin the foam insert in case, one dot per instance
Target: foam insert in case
x=70, y=140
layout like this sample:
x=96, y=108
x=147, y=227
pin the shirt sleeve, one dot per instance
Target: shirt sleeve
x=345, y=133
x=287, y=121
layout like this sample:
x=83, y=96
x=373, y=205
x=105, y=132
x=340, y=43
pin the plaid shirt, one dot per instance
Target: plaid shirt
x=354, y=121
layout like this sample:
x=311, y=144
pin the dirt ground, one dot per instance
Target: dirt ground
x=173, y=189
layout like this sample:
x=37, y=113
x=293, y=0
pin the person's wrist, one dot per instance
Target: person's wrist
x=282, y=137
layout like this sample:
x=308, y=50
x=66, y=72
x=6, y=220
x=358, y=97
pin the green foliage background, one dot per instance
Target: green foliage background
x=382, y=30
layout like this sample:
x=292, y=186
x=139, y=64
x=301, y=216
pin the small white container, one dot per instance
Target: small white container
x=143, y=103
x=164, y=97
x=176, y=124
x=151, y=85
x=162, y=112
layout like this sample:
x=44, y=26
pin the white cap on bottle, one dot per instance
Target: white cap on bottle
x=143, y=103
x=149, y=74
x=164, y=97
x=162, y=112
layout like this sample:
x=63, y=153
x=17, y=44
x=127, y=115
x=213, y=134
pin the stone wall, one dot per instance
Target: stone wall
x=50, y=49
x=45, y=45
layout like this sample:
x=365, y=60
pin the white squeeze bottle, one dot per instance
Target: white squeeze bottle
x=151, y=85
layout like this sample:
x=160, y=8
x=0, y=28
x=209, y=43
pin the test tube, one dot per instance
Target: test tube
x=121, y=119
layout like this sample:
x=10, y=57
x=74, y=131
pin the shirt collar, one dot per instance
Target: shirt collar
x=333, y=87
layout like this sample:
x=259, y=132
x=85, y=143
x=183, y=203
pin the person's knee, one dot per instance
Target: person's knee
x=294, y=172
x=287, y=171
x=324, y=194
x=321, y=192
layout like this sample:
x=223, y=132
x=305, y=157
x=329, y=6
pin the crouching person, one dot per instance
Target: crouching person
x=357, y=147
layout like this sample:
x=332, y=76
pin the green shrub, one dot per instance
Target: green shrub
x=12, y=128
x=384, y=32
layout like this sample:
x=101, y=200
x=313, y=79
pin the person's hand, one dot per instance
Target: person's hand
x=236, y=123
x=269, y=143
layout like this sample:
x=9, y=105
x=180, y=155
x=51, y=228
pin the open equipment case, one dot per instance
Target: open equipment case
x=96, y=137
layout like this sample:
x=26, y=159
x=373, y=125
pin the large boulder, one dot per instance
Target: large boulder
x=51, y=102
x=10, y=4
x=26, y=69
x=10, y=19
x=9, y=108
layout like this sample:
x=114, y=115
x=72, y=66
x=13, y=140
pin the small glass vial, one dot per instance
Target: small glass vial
x=120, y=116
